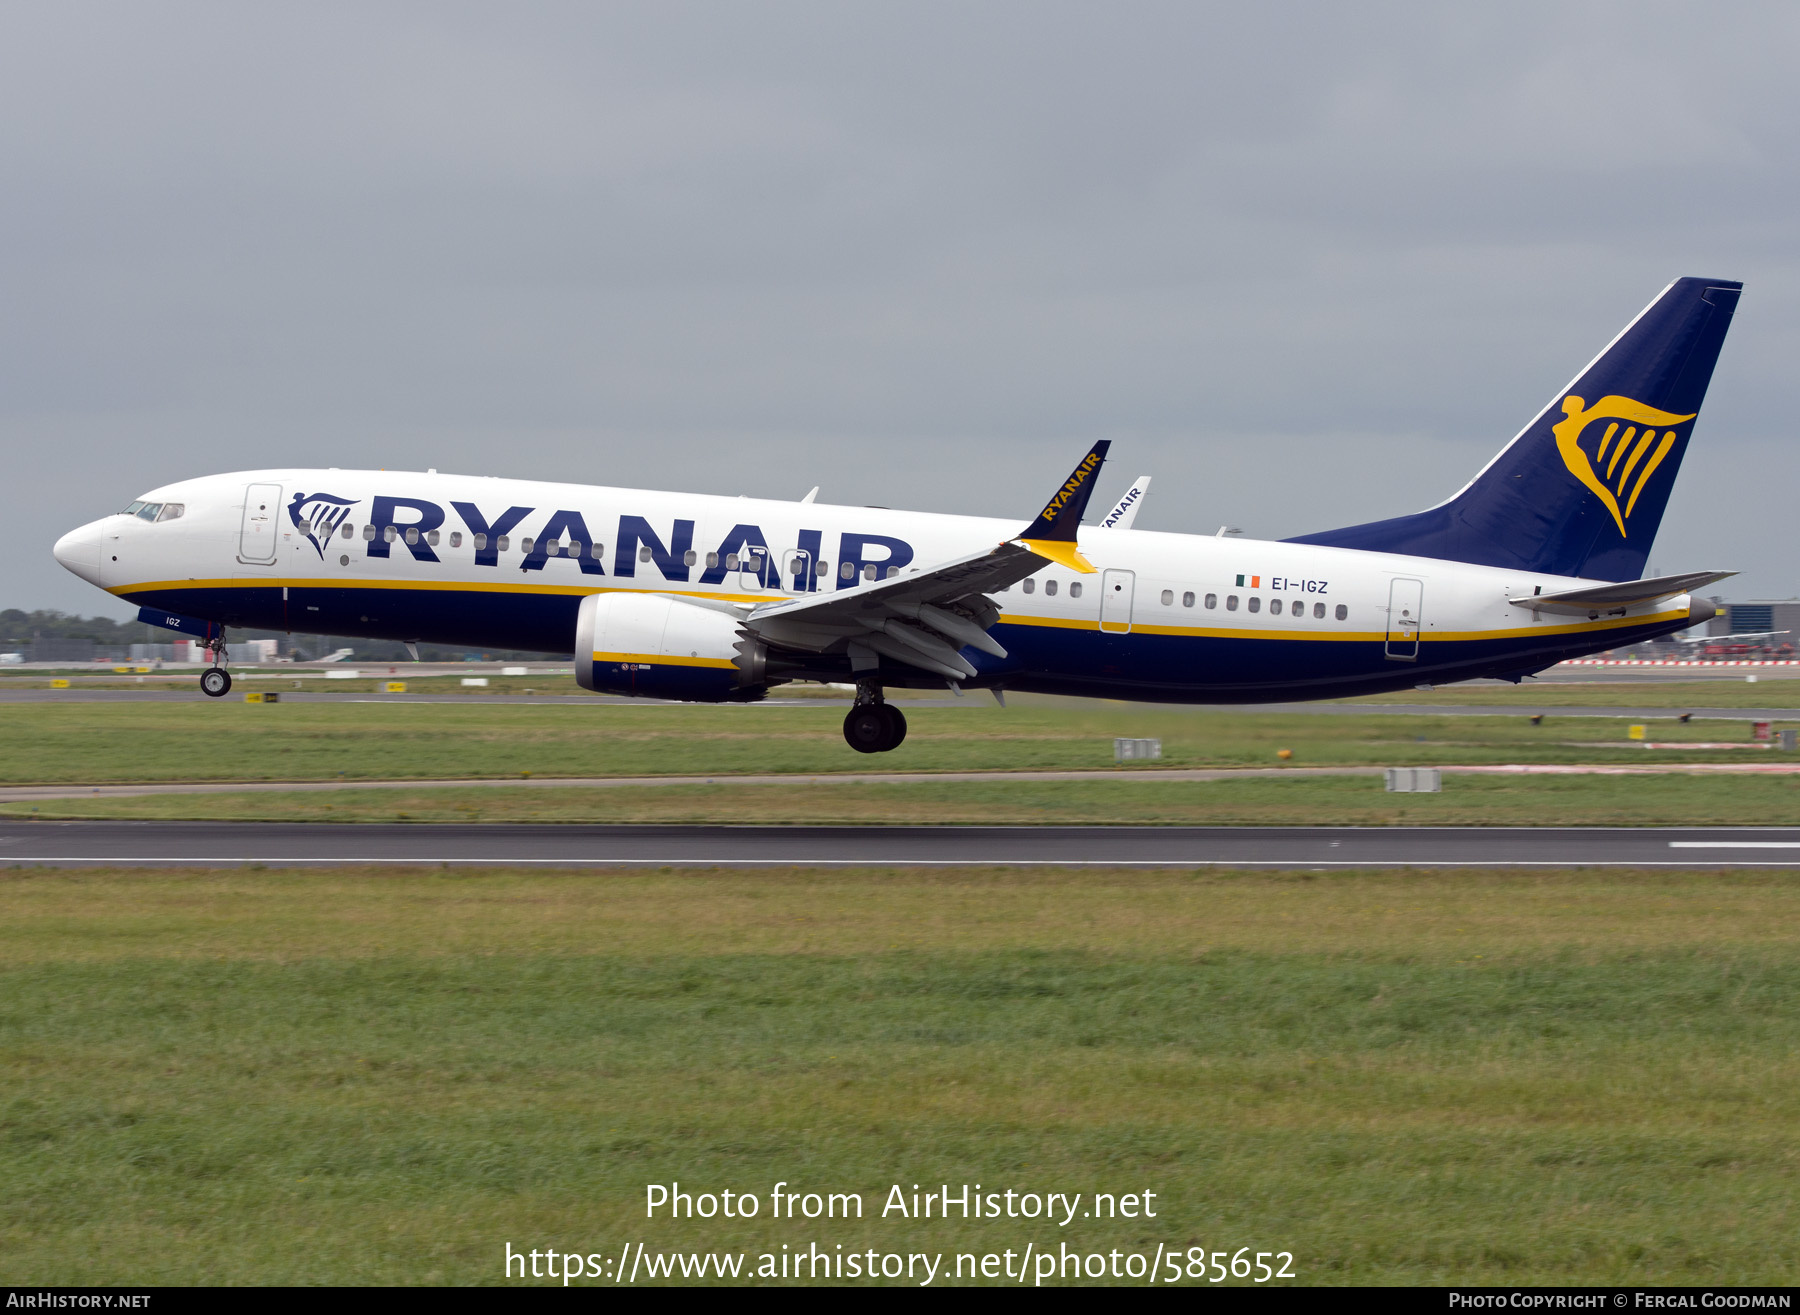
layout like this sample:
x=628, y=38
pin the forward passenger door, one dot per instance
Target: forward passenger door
x=257, y=536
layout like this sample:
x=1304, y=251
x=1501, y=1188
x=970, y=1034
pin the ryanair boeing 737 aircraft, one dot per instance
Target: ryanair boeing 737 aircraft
x=718, y=599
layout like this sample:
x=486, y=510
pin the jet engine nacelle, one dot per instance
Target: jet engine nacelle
x=659, y=647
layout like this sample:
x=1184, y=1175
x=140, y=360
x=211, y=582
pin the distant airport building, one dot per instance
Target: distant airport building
x=1757, y=616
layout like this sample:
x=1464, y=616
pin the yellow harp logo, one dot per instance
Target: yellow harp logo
x=1638, y=451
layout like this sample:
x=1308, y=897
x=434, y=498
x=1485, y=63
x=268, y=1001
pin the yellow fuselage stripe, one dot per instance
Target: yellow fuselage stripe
x=437, y=586
x=1344, y=636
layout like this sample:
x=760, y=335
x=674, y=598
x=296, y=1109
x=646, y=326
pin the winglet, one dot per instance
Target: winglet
x=1052, y=534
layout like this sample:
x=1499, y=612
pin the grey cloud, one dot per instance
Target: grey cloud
x=1306, y=263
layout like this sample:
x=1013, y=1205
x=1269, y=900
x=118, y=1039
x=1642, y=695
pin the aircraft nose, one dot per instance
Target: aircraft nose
x=79, y=551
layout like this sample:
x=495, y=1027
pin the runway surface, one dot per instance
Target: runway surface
x=209, y=844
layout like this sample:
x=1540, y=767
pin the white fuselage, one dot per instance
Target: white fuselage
x=1169, y=616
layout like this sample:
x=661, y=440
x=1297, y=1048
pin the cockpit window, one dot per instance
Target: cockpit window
x=171, y=511
x=147, y=511
x=133, y=509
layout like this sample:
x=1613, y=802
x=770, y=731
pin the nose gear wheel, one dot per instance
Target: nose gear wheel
x=215, y=681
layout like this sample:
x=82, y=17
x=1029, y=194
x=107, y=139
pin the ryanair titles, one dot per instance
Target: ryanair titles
x=1066, y=494
x=415, y=525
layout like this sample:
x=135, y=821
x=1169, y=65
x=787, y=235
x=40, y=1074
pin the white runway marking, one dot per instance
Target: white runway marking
x=1734, y=844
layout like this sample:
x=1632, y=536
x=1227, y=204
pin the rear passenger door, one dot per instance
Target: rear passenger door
x=1406, y=604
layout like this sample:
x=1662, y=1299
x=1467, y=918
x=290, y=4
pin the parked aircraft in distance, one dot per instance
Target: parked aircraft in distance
x=720, y=599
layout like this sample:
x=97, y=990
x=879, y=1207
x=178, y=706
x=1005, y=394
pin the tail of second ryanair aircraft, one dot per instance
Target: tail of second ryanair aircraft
x=1581, y=490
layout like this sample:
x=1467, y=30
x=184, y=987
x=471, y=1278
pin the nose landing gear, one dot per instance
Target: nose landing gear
x=873, y=726
x=215, y=681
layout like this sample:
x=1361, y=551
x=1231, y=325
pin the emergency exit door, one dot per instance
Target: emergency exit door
x=756, y=569
x=257, y=537
x=1406, y=599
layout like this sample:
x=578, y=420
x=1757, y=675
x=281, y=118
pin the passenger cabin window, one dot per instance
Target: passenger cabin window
x=525, y=544
x=390, y=533
x=1168, y=598
x=712, y=560
x=644, y=554
x=412, y=534
x=1029, y=586
x=431, y=537
x=1255, y=603
x=868, y=572
x=823, y=569
x=1187, y=600
x=1274, y=607
x=1050, y=587
x=1074, y=588
x=480, y=542
x=456, y=538
x=505, y=542
x=1212, y=601
x=731, y=561
x=1231, y=602
x=1343, y=612
x=368, y=532
x=688, y=558
x=348, y=532
x=846, y=570
x=1318, y=611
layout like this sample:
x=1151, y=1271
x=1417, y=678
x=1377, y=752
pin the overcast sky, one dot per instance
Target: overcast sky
x=1305, y=264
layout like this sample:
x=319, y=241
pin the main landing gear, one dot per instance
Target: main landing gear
x=215, y=681
x=873, y=726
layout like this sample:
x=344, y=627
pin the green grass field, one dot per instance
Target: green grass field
x=1673, y=800
x=299, y=741
x=364, y=1077
x=1767, y=691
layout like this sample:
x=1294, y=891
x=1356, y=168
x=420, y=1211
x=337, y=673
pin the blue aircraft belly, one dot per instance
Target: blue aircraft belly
x=1041, y=659
x=1214, y=669
x=543, y=623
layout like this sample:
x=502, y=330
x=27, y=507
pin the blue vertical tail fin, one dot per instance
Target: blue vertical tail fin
x=1581, y=490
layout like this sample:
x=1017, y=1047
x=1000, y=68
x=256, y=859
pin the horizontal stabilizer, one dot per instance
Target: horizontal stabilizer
x=1619, y=597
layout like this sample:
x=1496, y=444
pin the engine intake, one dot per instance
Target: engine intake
x=658, y=647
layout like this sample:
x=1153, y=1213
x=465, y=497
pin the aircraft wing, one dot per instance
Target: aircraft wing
x=1619, y=597
x=924, y=618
